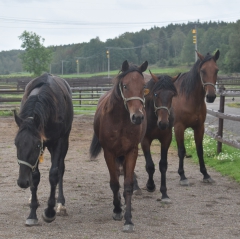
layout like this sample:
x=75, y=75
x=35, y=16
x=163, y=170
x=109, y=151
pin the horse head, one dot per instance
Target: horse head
x=162, y=94
x=131, y=87
x=208, y=70
x=29, y=146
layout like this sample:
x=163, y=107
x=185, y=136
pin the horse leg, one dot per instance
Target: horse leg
x=163, y=165
x=61, y=209
x=129, y=165
x=179, y=134
x=150, y=167
x=136, y=189
x=198, y=137
x=32, y=219
x=113, y=168
x=55, y=150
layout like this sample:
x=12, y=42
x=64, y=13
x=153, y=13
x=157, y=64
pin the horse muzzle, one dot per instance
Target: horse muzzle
x=210, y=98
x=23, y=183
x=137, y=118
x=25, y=177
x=163, y=125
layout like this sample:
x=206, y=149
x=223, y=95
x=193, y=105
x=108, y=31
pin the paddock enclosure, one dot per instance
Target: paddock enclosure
x=197, y=211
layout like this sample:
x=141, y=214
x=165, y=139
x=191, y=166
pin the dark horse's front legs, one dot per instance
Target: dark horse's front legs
x=32, y=219
x=58, y=152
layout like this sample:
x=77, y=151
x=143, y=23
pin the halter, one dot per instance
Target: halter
x=160, y=107
x=125, y=100
x=207, y=83
x=33, y=167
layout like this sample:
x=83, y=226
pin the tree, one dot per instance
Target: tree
x=36, y=58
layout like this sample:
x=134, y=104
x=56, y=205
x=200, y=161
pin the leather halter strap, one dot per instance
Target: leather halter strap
x=160, y=107
x=125, y=100
x=33, y=167
x=207, y=83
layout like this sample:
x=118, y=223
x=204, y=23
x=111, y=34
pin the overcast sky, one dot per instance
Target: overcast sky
x=62, y=22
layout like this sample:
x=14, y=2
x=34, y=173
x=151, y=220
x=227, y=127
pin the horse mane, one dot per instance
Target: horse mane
x=164, y=83
x=43, y=106
x=115, y=92
x=190, y=78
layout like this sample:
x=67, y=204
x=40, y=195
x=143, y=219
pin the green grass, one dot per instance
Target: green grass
x=156, y=70
x=227, y=162
x=235, y=105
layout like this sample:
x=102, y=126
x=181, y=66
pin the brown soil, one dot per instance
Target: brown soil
x=198, y=211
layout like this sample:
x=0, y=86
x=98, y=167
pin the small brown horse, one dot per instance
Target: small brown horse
x=159, y=126
x=119, y=126
x=190, y=107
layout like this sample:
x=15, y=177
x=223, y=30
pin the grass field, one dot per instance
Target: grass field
x=156, y=70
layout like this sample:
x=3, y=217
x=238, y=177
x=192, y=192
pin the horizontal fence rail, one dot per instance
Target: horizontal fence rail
x=86, y=93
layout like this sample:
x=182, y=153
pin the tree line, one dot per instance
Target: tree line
x=161, y=46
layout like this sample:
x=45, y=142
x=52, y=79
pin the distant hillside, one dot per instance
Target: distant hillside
x=166, y=46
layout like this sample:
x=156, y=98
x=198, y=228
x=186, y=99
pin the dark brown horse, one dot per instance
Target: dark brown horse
x=44, y=120
x=159, y=126
x=190, y=107
x=119, y=126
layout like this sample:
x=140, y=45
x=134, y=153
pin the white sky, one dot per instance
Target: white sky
x=62, y=22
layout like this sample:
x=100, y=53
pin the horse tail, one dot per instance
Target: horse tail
x=95, y=147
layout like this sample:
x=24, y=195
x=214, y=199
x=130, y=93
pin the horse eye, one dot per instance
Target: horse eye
x=155, y=94
x=124, y=86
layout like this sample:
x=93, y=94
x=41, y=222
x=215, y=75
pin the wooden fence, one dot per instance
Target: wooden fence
x=86, y=94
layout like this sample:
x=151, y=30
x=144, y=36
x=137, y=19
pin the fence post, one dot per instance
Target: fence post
x=220, y=121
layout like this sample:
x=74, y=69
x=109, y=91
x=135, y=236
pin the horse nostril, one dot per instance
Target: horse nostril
x=23, y=184
x=162, y=125
x=210, y=98
x=137, y=119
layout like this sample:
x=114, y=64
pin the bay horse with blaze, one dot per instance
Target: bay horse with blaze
x=119, y=126
x=45, y=120
x=190, y=108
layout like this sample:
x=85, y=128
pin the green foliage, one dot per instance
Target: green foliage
x=166, y=46
x=227, y=162
x=36, y=58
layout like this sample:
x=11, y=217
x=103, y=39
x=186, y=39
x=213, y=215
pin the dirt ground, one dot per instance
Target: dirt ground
x=198, y=211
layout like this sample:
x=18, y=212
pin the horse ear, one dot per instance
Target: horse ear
x=125, y=66
x=217, y=54
x=18, y=120
x=200, y=56
x=174, y=78
x=144, y=66
x=154, y=77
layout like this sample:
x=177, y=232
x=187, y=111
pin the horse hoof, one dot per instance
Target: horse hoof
x=128, y=228
x=117, y=216
x=31, y=222
x=48, y=219
x=151, y=189
x=61, y=210
x=184, y=182
x=166, y=200
x=208, y=180
x=137, y=192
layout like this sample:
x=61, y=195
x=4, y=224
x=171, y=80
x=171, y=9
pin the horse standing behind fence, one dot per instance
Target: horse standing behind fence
x=159, y=126
x=44, y=120
x=190, y=107
x=119, y=126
